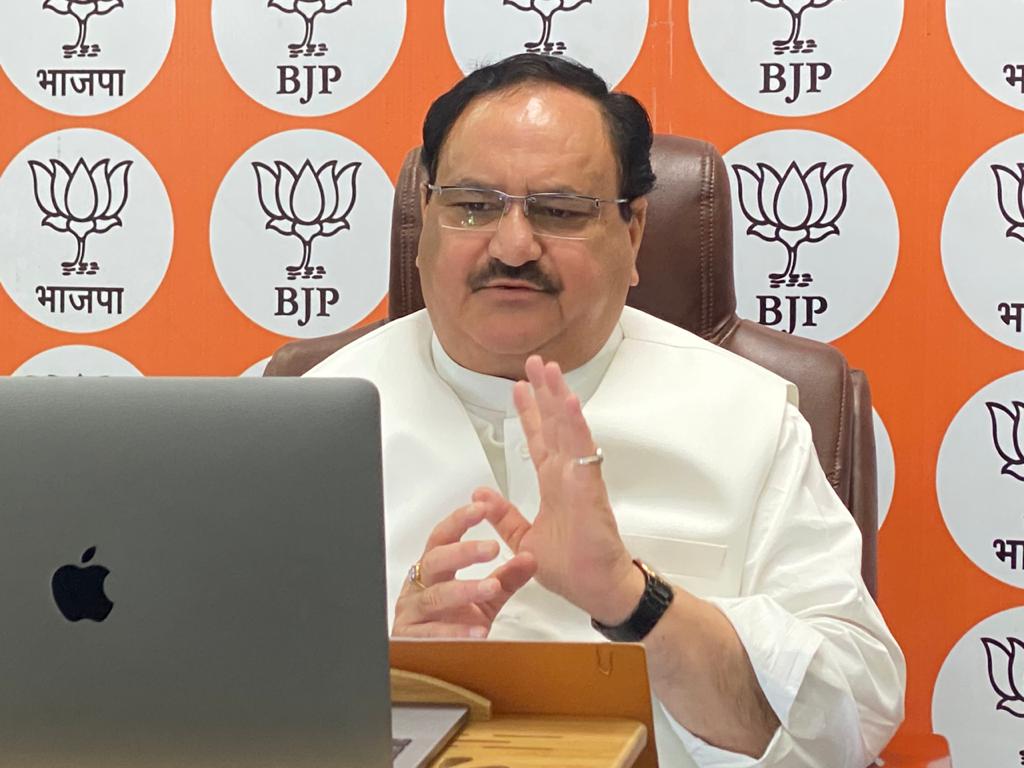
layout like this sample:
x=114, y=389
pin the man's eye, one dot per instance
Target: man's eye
x=555, y=212
x=478, y=207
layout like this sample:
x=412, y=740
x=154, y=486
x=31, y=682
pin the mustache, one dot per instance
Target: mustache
x=530, y=272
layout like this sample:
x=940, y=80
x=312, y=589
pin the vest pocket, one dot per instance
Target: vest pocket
x=693, y=565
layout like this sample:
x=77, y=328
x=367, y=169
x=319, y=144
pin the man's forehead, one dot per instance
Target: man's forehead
x=530, y=109
x=538, y=119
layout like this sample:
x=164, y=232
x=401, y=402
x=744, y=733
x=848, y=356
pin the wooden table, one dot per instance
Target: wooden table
x=533, y=705
x=545, y=742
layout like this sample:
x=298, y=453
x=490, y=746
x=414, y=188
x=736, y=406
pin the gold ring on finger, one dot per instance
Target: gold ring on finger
x=415, y=572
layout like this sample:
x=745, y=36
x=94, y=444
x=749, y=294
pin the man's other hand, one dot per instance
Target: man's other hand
x=448, y=607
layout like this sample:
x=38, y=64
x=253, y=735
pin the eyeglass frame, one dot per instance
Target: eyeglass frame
x=507, y=199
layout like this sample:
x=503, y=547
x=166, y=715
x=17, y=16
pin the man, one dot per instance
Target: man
x=686, y=509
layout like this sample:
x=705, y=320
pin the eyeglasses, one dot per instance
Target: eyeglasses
x=555, y=214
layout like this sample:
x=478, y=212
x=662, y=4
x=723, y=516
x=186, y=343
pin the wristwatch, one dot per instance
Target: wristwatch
x=655, y=600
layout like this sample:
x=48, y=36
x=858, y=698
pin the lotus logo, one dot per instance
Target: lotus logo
x=84, y=201
x=1010, y=189
x=82, y=10
x=307, y=205
x=796, y=10
x=1006, y=673
x=546, y=9
x=794, y=208
x=1008, y=438
x=309, y=10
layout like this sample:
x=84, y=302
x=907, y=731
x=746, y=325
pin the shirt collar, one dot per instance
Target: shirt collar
x=494, y=393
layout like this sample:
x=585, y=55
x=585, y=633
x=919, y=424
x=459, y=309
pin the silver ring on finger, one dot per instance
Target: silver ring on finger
x=596, y=457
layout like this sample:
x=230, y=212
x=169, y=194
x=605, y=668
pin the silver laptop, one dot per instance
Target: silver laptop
x=192, y=574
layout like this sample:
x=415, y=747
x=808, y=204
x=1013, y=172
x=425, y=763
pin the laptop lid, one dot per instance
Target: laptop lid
x=192, y=574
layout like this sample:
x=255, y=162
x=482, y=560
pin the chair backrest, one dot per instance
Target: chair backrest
x=686, y=255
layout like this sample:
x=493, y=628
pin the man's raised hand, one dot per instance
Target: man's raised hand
x=574, y=537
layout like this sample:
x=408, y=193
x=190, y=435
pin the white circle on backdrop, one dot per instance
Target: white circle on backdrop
x=605, y=35
x=795, y=57
x=886, y=464
x=256, y=369
x=308, y=59
x=815, y=231
x=980, y=479
x=77, y=360
x=86, y=230
x=84, y=57
x=983, y=242
x=310, y=255
x=986, y=37
x=978, y=699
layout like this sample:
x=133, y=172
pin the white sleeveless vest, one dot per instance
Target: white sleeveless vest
x=688, y=431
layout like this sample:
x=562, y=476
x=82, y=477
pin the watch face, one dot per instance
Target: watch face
x=663, y=587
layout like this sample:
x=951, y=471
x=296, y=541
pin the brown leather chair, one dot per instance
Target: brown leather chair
x=685, y=266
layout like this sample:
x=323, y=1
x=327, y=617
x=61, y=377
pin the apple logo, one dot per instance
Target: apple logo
x=78, y=592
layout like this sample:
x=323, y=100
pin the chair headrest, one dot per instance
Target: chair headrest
x=685, y=260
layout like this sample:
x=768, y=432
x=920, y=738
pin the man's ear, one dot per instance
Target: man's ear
x=636, y=226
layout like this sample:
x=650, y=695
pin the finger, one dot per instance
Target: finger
x=546, y=398
x=529, y=417
x=434, y=602
x=513, y=575
x=555, y=382
x=516, y=572
x=560, y=392
x=441, y=563
x=534, y=369
x=454, y=526
x=442, y=629
x=503, y=516
x=579, y=440
x=545, y=402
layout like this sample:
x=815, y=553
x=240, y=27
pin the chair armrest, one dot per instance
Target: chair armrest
x=864, y=482
x=297, y=357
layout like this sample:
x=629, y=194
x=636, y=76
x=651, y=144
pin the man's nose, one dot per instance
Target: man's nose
x=514, y=241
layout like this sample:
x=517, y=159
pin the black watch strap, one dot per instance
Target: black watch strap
x=656, y=599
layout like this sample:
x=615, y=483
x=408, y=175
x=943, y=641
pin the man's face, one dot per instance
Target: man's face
x=496, y=297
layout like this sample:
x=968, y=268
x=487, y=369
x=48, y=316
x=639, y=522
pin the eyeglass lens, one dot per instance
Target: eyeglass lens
x=552, y=214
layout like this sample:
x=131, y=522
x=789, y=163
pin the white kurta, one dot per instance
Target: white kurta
x=714, y=482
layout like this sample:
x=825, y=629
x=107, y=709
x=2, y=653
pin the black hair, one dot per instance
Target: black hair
x=629, y=125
